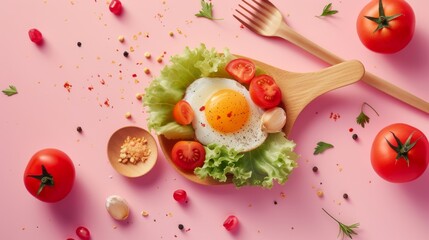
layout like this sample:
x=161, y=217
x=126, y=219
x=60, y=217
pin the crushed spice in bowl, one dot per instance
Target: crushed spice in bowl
x=132, y=151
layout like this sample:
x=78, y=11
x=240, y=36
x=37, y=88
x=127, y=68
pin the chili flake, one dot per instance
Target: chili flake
x=67, y=86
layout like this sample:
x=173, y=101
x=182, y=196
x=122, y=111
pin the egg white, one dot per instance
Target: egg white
x=249, y=137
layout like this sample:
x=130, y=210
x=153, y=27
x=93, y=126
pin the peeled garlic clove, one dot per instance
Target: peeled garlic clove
x=117, y=207
x=273, y=120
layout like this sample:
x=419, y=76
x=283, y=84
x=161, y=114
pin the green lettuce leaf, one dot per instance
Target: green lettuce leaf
x=170, y=86
x=273, y=161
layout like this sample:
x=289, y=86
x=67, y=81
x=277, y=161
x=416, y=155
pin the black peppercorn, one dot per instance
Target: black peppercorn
x=315, y=169
x=181, y=227
x=345, y=196
x=79, y=129
x=355, y=136
x=79, y=44
x=126, y=54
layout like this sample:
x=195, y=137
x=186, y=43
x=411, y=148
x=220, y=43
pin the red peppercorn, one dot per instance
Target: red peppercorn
x=230, y=223
x=180, y=195
x=83, y=233
x=35, y=36
x=115, y=7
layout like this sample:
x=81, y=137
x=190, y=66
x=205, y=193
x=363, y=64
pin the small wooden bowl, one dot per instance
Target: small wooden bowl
x=114, y=146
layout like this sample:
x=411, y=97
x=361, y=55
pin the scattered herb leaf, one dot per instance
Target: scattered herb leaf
x=206, y=10
x=345, y=230
x=327, y=11
x=362, y=118
x=321, y=147
x=10, y=91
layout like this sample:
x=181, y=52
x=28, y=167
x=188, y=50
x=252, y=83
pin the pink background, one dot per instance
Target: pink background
x=44, y=114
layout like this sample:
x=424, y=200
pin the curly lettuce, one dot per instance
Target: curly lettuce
x=170, y=86
x=273, y=161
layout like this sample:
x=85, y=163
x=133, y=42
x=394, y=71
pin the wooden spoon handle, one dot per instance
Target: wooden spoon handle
x=297, y=39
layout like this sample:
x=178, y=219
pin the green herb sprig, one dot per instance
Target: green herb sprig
x=321, y=147
x=345, y=230
x=362, y=118
x=10, y=91
x=206, y=11
x=327, y=11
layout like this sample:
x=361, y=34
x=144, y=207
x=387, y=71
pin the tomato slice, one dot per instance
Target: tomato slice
x=241, y=70
x=183, y=113
x=188, y=155
x=265, y=92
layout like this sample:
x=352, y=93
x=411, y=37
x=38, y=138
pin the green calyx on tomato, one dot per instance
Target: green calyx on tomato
x=383, y=20
x=45, y=178
x=403, y=148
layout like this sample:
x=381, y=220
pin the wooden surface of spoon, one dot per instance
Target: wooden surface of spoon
x=298, y=90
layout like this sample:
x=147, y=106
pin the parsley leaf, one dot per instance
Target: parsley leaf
x=10, y=91
x=362, y=118
x=327, y=11
x=321, y=147
x=206, y=10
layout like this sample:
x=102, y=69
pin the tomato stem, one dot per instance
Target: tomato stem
x=382, y=20
x=46, y=179
x=402, y=149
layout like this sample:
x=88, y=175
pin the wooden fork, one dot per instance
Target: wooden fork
x=263, y=18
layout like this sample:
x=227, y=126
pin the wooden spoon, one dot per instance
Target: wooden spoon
x=298, y=90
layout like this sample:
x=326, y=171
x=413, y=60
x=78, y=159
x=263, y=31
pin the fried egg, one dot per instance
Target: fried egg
x=225, y=114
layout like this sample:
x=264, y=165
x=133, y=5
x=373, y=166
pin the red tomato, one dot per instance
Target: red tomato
x=183, y=113
x=49, y=175
x=241, y=70
x=386, y=32
x=265, y=92
x=400, y=153
x=188, y=155
x=230, y=223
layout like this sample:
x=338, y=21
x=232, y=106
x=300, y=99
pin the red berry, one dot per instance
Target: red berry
x=35, y=36
x=180, y=195
x=116, y=7
x=83, y=233
x=231, y=223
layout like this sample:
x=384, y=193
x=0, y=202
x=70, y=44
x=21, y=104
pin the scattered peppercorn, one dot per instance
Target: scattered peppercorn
x=79, y=129
x=315, y=169
x=126, y=54
x=79, y=44
x=345, y=196
x=355, y=136
x=275, y=202
x=181, y=227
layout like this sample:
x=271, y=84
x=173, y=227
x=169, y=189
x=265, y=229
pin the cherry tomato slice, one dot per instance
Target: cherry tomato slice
x=230, y=223
x=180, y=195
x=187, y=155
x=241, y=70
x=183, y=113
x=265, y=92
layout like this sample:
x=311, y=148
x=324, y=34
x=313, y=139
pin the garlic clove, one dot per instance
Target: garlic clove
x=273, y=120
x=117, y=207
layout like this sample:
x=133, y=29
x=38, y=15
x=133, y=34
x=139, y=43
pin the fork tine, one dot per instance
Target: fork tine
x=250, y=24
x=267, y=5
x=256, y=19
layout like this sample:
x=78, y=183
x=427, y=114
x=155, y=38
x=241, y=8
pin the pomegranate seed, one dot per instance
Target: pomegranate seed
x=83, y=233
x=230, y=223
x=115, y=7
x=35, y=36
x=180, y=195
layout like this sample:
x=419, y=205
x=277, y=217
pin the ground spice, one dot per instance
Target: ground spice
x=134, y=150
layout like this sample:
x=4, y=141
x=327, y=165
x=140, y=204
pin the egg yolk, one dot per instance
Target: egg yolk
x=227, y=111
